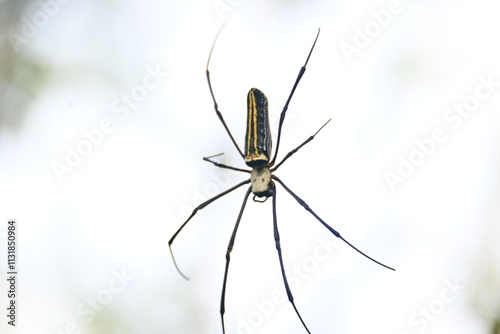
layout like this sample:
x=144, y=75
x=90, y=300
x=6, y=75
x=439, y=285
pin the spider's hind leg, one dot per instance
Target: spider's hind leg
x=280, y=256
x=228, y=258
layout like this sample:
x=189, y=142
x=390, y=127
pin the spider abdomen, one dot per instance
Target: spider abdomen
x=258, y=140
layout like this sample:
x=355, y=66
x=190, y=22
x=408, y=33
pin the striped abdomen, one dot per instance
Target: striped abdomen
x=258, y=142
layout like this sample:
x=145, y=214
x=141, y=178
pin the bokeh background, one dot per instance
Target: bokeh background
x=123, y=83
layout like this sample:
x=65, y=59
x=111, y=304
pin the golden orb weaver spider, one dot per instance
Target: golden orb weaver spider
x=258, y=149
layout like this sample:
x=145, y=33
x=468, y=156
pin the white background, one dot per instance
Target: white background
x=117, y=209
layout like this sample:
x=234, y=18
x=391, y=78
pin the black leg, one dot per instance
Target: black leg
x=292, y=152
x=280, y=256
x=199, y=207
x=213, y=97
x=228, y=258
x=285, y=108
x=209, y=159
x=337, y=234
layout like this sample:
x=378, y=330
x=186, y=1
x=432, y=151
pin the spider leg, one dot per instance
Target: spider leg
x=199, y=207
x=337, y=234
x=292, y=152
x=216, y=107
x=228, y=258
x=285, y=108
x=280, y=256
x=209, y=159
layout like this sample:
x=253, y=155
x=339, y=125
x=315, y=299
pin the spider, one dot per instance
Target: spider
x=257, y=156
